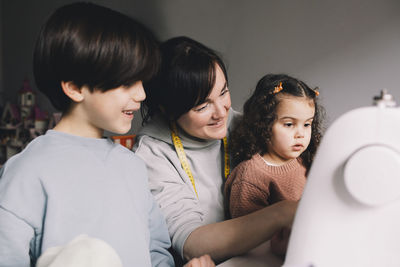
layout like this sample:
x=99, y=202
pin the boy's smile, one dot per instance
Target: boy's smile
x=129, y=113
x=97, y=111
x=104, y=108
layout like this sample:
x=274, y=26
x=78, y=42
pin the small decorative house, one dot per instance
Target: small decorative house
x=26, y=100
x=21, y=123
x=10, y=117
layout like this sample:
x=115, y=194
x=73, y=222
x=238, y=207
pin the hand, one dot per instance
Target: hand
x=203, y=261
x=279, y=242
x=287, y=210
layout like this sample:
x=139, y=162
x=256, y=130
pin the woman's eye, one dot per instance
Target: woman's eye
x=224, y=91
x=307, y=125
x=288, y=124
x=201, y=108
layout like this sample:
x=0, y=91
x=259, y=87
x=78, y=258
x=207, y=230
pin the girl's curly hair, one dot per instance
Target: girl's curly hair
x=253, y=131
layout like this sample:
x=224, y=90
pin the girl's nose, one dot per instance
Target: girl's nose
x=299, y=132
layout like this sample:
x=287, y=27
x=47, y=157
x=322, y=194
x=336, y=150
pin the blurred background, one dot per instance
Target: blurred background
x=350, y=49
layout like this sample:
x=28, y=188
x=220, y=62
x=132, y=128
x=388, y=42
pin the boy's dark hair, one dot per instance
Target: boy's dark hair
x=253, y=131
x=91, y=46
x=185, y=78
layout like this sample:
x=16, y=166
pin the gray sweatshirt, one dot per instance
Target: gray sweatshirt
x=170, y=184
x=63, y=185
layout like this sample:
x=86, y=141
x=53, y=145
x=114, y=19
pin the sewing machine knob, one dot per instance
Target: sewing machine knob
x=372, y=175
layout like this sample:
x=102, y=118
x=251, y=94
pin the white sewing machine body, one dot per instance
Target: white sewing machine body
x=349, y=214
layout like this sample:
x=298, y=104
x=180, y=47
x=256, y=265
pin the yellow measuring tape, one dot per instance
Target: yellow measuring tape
x=183, y=159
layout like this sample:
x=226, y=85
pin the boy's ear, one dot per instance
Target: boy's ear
x=72, y=91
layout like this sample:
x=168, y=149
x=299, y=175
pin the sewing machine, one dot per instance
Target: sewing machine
x=349, y=214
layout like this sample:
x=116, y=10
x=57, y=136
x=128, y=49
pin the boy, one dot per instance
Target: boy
x=90, y=62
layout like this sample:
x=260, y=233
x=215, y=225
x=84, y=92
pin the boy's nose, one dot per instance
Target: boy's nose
x=139, y=94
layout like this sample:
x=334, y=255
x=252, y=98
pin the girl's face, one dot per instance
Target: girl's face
x=291, y=131
x=209, y=119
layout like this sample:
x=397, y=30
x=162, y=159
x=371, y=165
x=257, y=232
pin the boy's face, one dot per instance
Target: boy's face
x=111, y=110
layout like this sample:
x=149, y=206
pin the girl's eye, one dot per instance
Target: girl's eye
x=288, y=124
x=307, y=125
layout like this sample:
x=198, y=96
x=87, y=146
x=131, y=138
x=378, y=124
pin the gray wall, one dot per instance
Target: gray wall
x=350, y=49
x=1, y=53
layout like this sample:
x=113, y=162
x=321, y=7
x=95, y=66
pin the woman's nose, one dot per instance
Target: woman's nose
x=221, y=107
x=220, y=110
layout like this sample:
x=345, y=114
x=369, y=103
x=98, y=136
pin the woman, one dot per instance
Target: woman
x=188, y=103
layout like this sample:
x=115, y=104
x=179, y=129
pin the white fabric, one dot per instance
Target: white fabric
x=83, y=251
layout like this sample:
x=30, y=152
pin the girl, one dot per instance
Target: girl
x=274, y=142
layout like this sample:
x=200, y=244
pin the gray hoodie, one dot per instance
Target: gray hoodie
x=170, y=184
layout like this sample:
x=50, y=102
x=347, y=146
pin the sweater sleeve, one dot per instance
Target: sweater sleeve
x=15, y=237
x=159, y=237
x=21, y=211
x=177, y=201
x=245, y=197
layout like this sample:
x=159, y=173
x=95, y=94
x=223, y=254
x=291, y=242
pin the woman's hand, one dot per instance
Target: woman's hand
x=234, y=237
x=287, y=210
x=280, y=239
x=203, y=261
x=279, y=242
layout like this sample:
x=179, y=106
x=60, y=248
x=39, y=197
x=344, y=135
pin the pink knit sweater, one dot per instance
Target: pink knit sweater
x=253, y=184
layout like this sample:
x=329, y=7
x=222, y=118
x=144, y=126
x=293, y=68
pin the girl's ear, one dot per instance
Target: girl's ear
x=72, y=91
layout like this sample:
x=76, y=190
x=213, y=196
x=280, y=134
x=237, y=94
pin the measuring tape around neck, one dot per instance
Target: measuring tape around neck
x=183, y=159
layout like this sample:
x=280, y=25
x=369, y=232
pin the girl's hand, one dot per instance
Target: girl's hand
x=203, y=261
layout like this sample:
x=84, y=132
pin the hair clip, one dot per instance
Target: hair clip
x=315, y=91
x=278, y=88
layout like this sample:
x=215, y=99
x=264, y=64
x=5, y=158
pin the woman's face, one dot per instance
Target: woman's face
x=209, y=119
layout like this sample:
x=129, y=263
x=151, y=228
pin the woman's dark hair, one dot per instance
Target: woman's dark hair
x=253, y=131
x=92, y=46
x=185, y=78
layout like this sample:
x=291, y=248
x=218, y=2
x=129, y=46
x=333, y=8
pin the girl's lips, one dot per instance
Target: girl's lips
x=297, y=147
